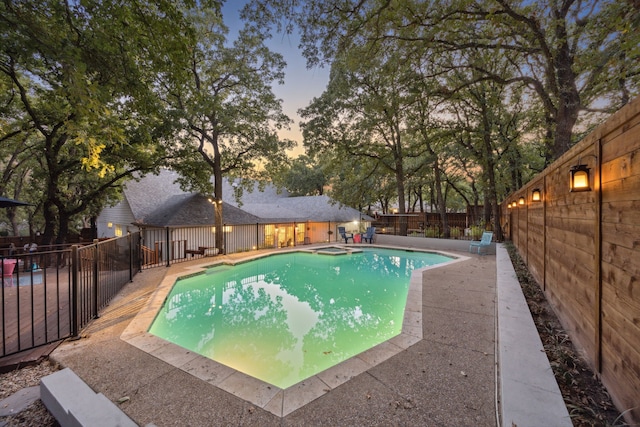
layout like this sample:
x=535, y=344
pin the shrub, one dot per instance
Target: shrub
x=476, y=232
x=432, y=232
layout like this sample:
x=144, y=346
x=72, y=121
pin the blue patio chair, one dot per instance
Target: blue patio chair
x=368, y=235
x=484, y=242
x=346, y=236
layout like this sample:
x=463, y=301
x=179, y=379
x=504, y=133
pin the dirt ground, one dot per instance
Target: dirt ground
x=587, y=400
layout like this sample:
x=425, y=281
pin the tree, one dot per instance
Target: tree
x=15, y=155
x=359, y=183
x=577, y=57
x=222, y=105
x=302, y=177
x=567, y=52
x=362, y=115
x=80, y=98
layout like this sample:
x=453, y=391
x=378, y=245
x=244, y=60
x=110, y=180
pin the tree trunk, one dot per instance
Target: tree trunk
x=442, y=208
x=217, y=192
x=49, y=224
x=568, y=96
x=401, y=201
x=63, y=228
x=490, y=173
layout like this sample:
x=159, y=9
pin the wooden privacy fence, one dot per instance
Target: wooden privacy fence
x=462, y=225
x=583, y=248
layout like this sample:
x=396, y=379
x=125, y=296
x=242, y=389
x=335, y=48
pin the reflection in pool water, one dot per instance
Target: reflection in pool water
x=284, y=318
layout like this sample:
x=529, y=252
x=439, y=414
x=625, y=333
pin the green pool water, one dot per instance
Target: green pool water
x=284, y=318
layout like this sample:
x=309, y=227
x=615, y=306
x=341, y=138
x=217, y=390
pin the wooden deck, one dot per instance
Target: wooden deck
x=33, y=314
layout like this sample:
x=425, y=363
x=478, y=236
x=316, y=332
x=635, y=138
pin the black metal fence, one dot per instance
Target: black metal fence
x=51, y=295
x=168, y=245
x=48, y=296
x=102, y=270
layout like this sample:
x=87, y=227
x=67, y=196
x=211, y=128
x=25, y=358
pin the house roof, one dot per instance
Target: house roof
x=195, y=209
x=150, y=193
x=304, y=208
x=158, y=200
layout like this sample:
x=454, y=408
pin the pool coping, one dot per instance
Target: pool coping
x=275, y=400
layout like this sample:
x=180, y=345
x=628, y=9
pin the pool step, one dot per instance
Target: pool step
x=73, y=403
x=218, y=269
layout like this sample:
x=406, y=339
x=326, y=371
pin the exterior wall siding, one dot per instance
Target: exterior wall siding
x=118, y=216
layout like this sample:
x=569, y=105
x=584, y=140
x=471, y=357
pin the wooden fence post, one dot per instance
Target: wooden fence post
x=597, y=240
x=545, y=197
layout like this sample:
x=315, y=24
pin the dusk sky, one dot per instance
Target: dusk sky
x=301, y=84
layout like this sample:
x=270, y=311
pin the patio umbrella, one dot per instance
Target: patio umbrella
x=6, y=203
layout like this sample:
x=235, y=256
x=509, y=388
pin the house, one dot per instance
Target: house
x=156, y=202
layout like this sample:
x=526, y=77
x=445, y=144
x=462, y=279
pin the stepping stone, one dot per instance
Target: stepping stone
x=72, y=402
x=19, y=401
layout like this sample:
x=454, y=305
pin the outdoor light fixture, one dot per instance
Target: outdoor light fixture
x=109, y=224
x=580, y=178
x=521, y=201
x=509, y=205
x=536, y=195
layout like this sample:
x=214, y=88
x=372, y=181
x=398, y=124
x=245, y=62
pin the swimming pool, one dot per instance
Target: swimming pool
x=286, y=317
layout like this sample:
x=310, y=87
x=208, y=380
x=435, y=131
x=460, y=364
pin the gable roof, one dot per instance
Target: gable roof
x=195, y=209
x=305, y=208
x=158, y=200
x=150, y=193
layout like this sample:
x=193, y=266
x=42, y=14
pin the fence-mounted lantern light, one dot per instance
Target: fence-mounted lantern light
x=580, y=178
x=521, y=201
x=536, y=195
x=509, y=205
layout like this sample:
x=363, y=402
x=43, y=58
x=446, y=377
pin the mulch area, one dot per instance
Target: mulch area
x=587, y=400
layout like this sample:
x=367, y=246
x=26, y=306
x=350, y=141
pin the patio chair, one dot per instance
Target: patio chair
x=484, y=242
x=8, y=265
x=368, y=235
x=346, y=236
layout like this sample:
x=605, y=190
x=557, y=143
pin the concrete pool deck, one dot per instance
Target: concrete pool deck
x=448, y=377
